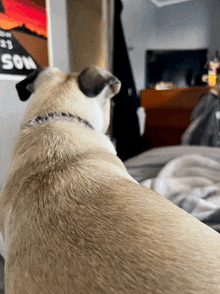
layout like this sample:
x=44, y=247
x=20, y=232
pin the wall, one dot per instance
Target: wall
x=214, y=14
x=189, y=25
x=11, y=112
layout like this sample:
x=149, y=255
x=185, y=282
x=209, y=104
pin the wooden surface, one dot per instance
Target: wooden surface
x=180, y=97
x=168, y=114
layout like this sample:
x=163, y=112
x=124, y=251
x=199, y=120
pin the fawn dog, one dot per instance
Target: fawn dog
x=73, y=219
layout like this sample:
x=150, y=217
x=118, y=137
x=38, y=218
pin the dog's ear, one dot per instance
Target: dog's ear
x=25, y=88
x=93, y=80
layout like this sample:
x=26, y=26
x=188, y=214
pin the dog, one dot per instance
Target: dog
x=73, y=219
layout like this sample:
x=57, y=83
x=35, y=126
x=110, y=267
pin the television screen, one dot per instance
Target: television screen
x=184, y=68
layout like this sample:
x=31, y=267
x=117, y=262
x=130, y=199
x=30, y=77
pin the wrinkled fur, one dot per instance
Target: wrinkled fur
x=75, y=222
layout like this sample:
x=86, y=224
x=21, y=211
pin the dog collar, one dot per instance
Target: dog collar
x=53, y=116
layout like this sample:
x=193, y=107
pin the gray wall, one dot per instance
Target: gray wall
x=213, y=7
x=11, y=108
x=189, y=25
x=11, y=112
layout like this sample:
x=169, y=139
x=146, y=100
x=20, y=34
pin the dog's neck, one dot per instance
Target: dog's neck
x=53, y=116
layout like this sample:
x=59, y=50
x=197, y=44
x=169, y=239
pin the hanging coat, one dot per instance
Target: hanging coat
x=204, y=127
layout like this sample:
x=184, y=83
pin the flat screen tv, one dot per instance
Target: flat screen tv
x=182, y=67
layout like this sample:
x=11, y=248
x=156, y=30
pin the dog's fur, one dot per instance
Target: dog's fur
x=74, y=221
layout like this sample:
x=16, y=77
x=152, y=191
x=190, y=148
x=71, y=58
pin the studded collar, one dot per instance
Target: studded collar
x=53, y=116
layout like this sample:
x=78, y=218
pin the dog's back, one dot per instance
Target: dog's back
x=92, y=232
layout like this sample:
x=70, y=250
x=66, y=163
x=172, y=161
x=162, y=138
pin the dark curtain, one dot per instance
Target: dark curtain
x=125, y=120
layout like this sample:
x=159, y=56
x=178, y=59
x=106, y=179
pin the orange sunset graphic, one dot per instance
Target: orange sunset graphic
x=28, y=13
x=26, y=21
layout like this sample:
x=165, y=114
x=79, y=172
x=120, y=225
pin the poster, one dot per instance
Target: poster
x=23, y=37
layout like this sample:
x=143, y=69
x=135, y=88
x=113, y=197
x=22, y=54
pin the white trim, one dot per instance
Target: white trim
x=112, y=7
x=108, y=21
x=49, y=33
x=58, y=35
x=161, y=3
x=9, y=77
x=105, y=32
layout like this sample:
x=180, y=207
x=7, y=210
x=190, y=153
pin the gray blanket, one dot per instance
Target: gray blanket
x=188, y=176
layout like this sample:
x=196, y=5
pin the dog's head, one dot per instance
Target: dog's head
x=86, y=94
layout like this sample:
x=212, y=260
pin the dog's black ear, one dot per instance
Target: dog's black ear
x=93, y=79
x=25, y=88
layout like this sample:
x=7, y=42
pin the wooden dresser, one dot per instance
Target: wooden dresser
x=168, y=114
